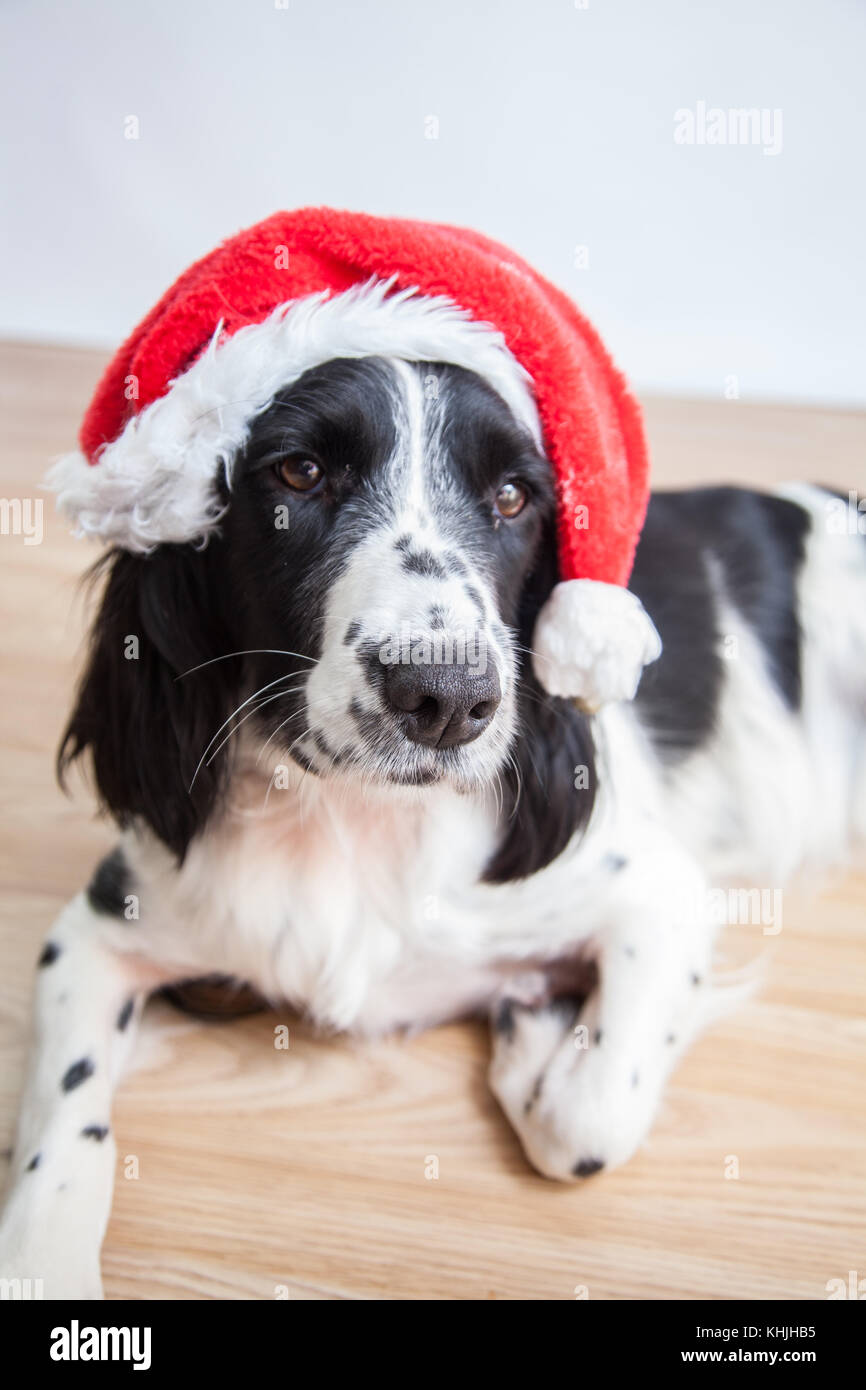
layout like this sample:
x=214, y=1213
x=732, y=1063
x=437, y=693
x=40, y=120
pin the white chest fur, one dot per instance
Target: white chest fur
x=366, y=909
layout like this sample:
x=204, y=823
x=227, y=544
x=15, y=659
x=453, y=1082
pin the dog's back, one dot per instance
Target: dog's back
x=756, y=707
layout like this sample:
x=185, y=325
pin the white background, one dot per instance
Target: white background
x=555, y=131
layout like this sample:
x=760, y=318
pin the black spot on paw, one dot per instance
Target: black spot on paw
x=504, y=1021
x=111, y=885
x=567, y=1007
x=50, y=952
x=614, y=862
x=95, y=1132
x=34, y=1162
x=585, y=1167
x=78, y=1072
x=125, y=1015
x=536, y=1092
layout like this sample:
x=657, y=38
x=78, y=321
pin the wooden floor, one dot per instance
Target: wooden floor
x=305, y=1170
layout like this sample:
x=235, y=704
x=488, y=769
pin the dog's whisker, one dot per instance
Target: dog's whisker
x=290, y=675
x=273, y=735
x=249, y=651
x=513, y=763
x=281, y=694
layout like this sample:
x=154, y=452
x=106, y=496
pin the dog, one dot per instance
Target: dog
x=339, y=783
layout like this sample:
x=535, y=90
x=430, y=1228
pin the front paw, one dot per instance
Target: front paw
x=576, y=1106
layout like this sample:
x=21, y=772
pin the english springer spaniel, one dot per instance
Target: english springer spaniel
x=340, y=785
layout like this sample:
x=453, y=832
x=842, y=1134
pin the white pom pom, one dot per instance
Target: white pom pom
x=592, y=641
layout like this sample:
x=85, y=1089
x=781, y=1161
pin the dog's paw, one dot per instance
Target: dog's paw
x=576, y=1106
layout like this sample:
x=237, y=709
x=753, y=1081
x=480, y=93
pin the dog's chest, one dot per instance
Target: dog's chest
x=373, y=916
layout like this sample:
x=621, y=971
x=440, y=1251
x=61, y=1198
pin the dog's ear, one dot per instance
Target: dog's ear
x=549, y=785
x=550, y=780
x=145, y=724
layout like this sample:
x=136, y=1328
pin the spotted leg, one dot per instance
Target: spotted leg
x=88, y=996
x=582, y=1089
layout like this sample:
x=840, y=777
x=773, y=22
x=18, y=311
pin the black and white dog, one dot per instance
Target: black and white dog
x=339, y=781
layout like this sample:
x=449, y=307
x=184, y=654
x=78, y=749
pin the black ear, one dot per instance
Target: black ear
x=145, y=728
x=550, y=786
x=550, y=782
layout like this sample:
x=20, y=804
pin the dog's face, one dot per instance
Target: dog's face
x=366, y=610
x=383, y=521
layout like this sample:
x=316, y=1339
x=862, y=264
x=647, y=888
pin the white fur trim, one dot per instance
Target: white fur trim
x=592, y=641
x=155, y=482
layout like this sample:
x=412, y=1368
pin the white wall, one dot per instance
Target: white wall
x=556, y=130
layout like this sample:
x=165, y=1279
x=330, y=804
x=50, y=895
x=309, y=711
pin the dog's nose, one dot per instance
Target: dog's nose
x=442, y=705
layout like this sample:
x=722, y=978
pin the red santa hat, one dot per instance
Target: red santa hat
x=176, y=402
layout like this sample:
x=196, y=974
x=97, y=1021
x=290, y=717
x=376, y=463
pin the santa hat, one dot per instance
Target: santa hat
x=176, y=402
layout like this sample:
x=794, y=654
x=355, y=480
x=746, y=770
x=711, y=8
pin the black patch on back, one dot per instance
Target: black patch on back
x=755, y=544
x=111, y=885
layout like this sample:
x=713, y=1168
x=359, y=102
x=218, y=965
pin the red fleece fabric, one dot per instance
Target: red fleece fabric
x=592, y=426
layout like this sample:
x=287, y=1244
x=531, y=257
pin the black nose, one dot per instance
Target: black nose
x=442, y=705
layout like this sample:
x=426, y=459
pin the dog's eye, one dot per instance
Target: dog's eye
x=510, y=500
x=299, y=473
